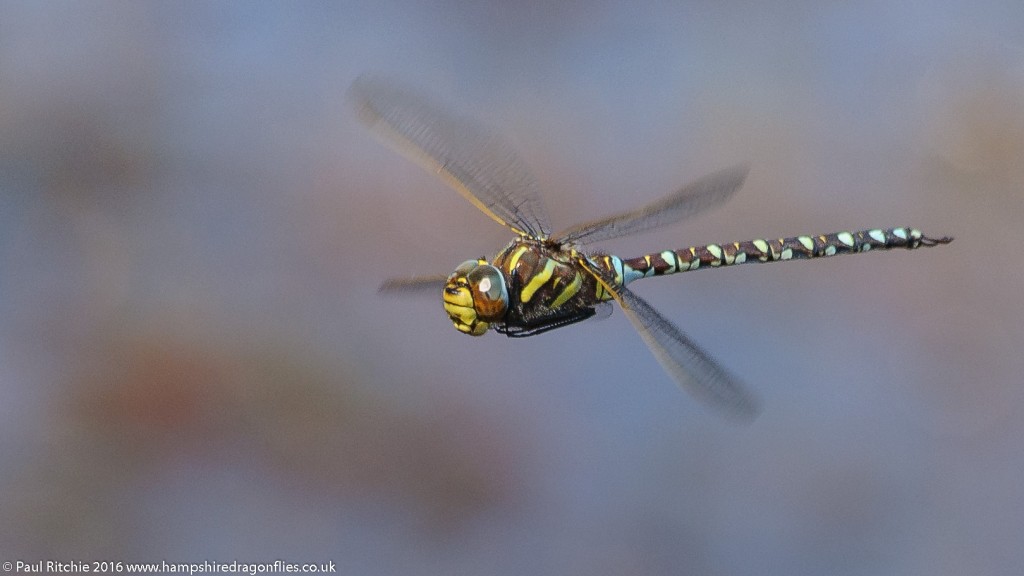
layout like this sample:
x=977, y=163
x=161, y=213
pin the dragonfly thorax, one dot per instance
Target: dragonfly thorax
x=475, y=295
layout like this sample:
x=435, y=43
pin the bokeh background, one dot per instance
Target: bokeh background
x=195, y=364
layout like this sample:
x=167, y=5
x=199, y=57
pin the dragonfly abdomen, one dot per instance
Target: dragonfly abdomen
x=780, y=249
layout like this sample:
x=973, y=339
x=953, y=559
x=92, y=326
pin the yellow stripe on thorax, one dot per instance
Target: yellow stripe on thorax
x=569, y=291
x=515, y=257
x=538, y=280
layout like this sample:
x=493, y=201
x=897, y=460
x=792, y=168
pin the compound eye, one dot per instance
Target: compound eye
x=489, y=293
x=487, y=281
x=464, y=269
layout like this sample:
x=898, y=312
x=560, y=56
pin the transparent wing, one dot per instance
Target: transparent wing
x=602, y=311
x=690, y=366
x=695, y=197
x=470, y=159
x=414, y=285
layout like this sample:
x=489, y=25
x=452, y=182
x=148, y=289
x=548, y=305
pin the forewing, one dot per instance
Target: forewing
x=469, y=158
x=695, y=197
x=413, y=285
x=690, y=366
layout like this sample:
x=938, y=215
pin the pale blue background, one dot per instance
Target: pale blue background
x=195, y=365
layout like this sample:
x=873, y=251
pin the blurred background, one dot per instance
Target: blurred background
x=195, y=364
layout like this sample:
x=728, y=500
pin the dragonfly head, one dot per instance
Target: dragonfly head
x=474, y=296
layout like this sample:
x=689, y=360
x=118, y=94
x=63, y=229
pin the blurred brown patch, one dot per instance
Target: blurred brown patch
x=977, y=120
x=150, y=397
x=151, y=389
x=325, y=433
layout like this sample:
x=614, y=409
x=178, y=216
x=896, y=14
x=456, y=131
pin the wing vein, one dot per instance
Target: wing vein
x=475, y=162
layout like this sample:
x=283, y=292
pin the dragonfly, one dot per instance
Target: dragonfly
x=542, y=281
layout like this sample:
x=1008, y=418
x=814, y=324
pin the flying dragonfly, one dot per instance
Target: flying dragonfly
x=542, y=281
